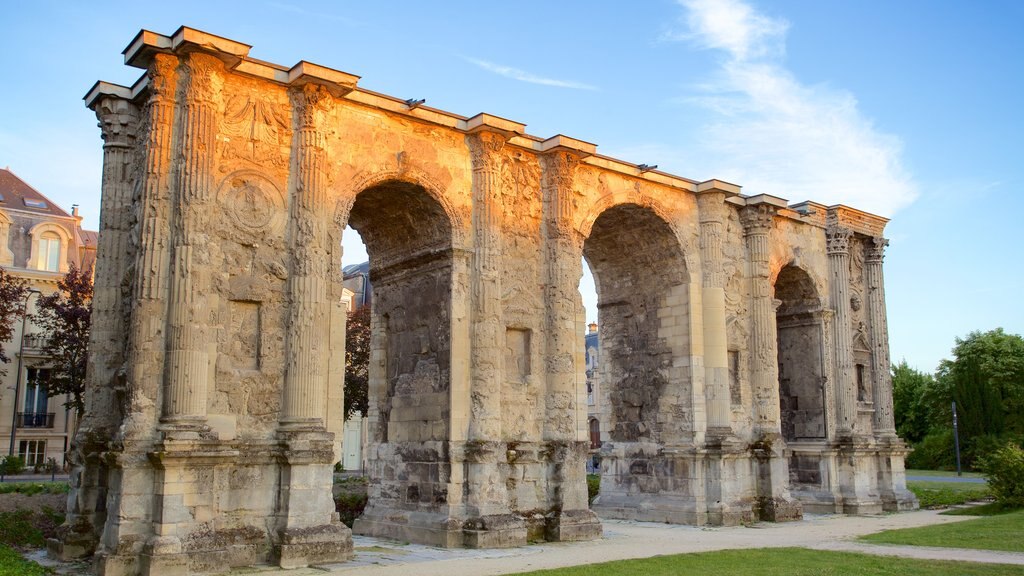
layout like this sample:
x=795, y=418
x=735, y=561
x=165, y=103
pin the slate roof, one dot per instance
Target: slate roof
x=16, y=194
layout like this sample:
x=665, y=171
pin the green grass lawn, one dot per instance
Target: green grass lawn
x=943, y=473
x=12, y=564
x=780, y=562
x=938, y=493
x=1000, y=532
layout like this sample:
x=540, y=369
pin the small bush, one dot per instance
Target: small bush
x=12, y=464
x=18, y=530
x=593, y=486
x=933, y=452
x=1005, y=471
x=350, y=498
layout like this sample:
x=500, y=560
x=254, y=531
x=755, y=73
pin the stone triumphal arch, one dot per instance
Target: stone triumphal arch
x=744, y=348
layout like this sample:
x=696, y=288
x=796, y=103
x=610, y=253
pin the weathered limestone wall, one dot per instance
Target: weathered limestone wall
x=744, y=341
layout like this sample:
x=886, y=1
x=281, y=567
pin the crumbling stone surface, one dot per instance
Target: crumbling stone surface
x=743, y=341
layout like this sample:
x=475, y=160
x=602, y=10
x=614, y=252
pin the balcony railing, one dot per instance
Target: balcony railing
x=35, y=419
x=35, y=341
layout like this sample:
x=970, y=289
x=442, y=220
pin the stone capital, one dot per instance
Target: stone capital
x=837, y=239
x=118, y=120
x=203, y=80
x=757, y=218
x=484, y=149
x=875, y=249
x=311, y=100
x=163, y=76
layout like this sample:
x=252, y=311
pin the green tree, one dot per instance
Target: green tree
x=12, y=306
x=986, y=380
x=911, y=390
x=65, y=318
x=357, y=361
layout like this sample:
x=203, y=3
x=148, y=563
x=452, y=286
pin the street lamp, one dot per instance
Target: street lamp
x=21, y=357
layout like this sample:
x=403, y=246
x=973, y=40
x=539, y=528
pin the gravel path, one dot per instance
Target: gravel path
x=624, y=540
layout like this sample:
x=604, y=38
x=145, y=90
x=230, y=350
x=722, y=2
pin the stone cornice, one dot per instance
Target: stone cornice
x=342, y=85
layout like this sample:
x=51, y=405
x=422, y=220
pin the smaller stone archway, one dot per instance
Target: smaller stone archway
x=802, y=399
x=805, y=394
x=409, y=238
x=644, y=312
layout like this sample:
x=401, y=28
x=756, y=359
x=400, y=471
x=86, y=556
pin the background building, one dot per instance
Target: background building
x=38, y=242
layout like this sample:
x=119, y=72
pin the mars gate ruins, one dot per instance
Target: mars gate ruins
x=745, y=361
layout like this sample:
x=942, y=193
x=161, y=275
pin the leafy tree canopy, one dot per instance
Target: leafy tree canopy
x=357, y=362
x=65, y=318
x=13, y=291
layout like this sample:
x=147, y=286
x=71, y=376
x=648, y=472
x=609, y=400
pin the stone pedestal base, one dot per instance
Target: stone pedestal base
x=573, y=526
x=497, y=531
x=301, y=547
x=429, y=530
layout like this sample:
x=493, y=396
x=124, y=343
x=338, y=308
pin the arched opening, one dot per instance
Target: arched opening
x=408, y=238
x=801, y=374
x=643, y=308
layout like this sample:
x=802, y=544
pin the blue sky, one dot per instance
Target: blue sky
x=909, y=109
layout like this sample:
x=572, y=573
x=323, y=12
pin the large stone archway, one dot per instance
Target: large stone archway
x=213, y=411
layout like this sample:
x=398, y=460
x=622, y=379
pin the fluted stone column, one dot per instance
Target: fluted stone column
x=711, y=204
x=188, y=331
x=563, y=270
x=146, y=336
x=757, y=223
x=119, y=119
x=308, y=281
x=838, y=247
x=563, y=433
x=487, y=354
x=879, y=336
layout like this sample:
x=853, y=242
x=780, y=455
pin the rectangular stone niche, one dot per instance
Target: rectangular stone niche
x=244, y=335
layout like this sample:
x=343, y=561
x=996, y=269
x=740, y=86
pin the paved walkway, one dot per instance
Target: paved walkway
x=624, y=540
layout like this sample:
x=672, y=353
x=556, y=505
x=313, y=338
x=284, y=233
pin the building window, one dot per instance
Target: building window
x=49, y=252
x=33, y=452
x=36, y=400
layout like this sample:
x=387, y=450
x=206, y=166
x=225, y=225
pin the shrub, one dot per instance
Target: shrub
x=593, y=486
x=17, y=529
x=12, y=464
x=350, y=498
x=933, y=452
x=1005, y=471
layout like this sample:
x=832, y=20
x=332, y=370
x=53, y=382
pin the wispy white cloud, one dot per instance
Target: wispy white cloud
x=524, y=76
x=774, y=134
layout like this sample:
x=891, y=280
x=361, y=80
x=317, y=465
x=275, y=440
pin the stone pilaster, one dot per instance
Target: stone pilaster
x=189, y=332
x=757, y=224
x=563, y=270
x=838, y=247
x=713, y=213
x=147, y=338
x=308, y=281
x=486, y=356
x=118, y=120
x=774, y=502
x=564, y=435
x=879, y=336
x=310, y=532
